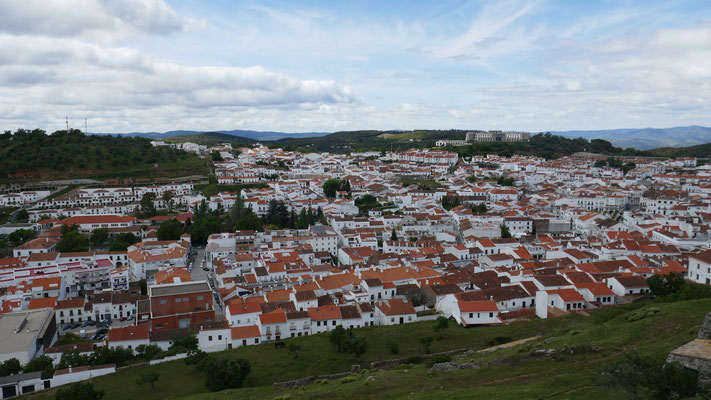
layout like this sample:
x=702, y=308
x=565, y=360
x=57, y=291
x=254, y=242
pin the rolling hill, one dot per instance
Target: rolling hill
x=647, y=138
x=568, y=357
x=211, y=139
x=256, y=135
x=34, y=155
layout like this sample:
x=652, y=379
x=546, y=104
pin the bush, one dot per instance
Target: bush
x=79, y=391
x=439, y=358
x=642, y=314
x=195, y=357
x=348, y=379
x=392, y=347
x=222, y=373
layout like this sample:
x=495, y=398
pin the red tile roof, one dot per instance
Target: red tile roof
x=134, y=332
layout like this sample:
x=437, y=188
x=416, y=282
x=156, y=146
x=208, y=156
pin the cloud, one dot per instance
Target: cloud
x=108, y=20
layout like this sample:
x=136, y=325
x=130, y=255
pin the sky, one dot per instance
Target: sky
x=323, y=66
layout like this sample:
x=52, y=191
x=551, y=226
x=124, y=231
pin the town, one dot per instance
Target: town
x=314, y=241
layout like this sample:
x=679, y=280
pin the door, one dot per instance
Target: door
x=402, y=320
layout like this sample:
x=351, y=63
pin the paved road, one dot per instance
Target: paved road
x=197, y=274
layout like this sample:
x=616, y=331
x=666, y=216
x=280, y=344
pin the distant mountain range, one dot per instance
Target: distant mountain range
x=641, y=139
x=256, y=135
x=647, y=138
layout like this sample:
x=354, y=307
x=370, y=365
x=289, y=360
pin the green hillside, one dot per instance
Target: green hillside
x=584, y=350
x=211, y=139
x=542, y=144
x=698, y=151
x=34, y=155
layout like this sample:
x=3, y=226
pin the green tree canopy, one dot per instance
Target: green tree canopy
x=72, y=241
x=99, y=237
x=170, y=230
x=79, y=391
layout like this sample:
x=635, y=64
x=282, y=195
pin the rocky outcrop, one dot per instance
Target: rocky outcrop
x=452, y=366
x=696, y=354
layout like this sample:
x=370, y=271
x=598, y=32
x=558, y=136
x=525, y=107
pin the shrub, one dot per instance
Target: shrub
x=392, y=346
x=348, y=379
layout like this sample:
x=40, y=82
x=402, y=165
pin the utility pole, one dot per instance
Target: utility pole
x=66, y=119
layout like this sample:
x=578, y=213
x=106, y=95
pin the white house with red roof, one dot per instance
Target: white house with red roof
x=596, y=293
x=563, y=300
x=129, y=337
x=394, y=312
x=242, y=313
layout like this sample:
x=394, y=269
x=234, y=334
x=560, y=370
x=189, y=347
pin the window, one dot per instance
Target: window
x=200, y=297
x=163, y=301
x=209, y=338
x=219, y=337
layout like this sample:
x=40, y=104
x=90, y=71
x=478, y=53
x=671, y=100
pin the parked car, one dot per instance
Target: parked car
x=102, y=331
x=85, y=324
x=97, y=336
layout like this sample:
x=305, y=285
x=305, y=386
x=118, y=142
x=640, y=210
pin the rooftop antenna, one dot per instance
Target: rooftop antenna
x=66, y=119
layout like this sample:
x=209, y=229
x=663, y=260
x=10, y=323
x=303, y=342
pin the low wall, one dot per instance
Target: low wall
x=171, y=358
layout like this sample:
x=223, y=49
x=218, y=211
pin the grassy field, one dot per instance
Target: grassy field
x=507, y=373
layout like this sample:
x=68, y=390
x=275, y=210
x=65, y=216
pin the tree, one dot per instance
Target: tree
x=168, y=196
x=250, y=222
x=41, y=363
x=10, y=367
x=294, y=349
x=393, y=236
x=72, y=241
x=505, y=234
x=73, y=359
x=148, y=352
x=79, y=391
x=144, y=287
x=216, y=156
x=330, y=187
x=426, y=343
x=184, y=342
x=392, y=346
x=441, y=324
x=203, y=228
x=147, y=208
x=127, y=237
x=22, y=216
x=662, y=285
x=116, y=355
x=99, y=237
x=21, y=236
x=221, y=373
x=150, y=376
x=118, y=245
x=358, y=347
x=170, y=230
x=337, y=337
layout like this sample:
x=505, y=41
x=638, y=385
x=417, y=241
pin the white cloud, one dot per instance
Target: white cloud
x=96, y=20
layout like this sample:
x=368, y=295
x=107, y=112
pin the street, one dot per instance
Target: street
x=197, y=274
